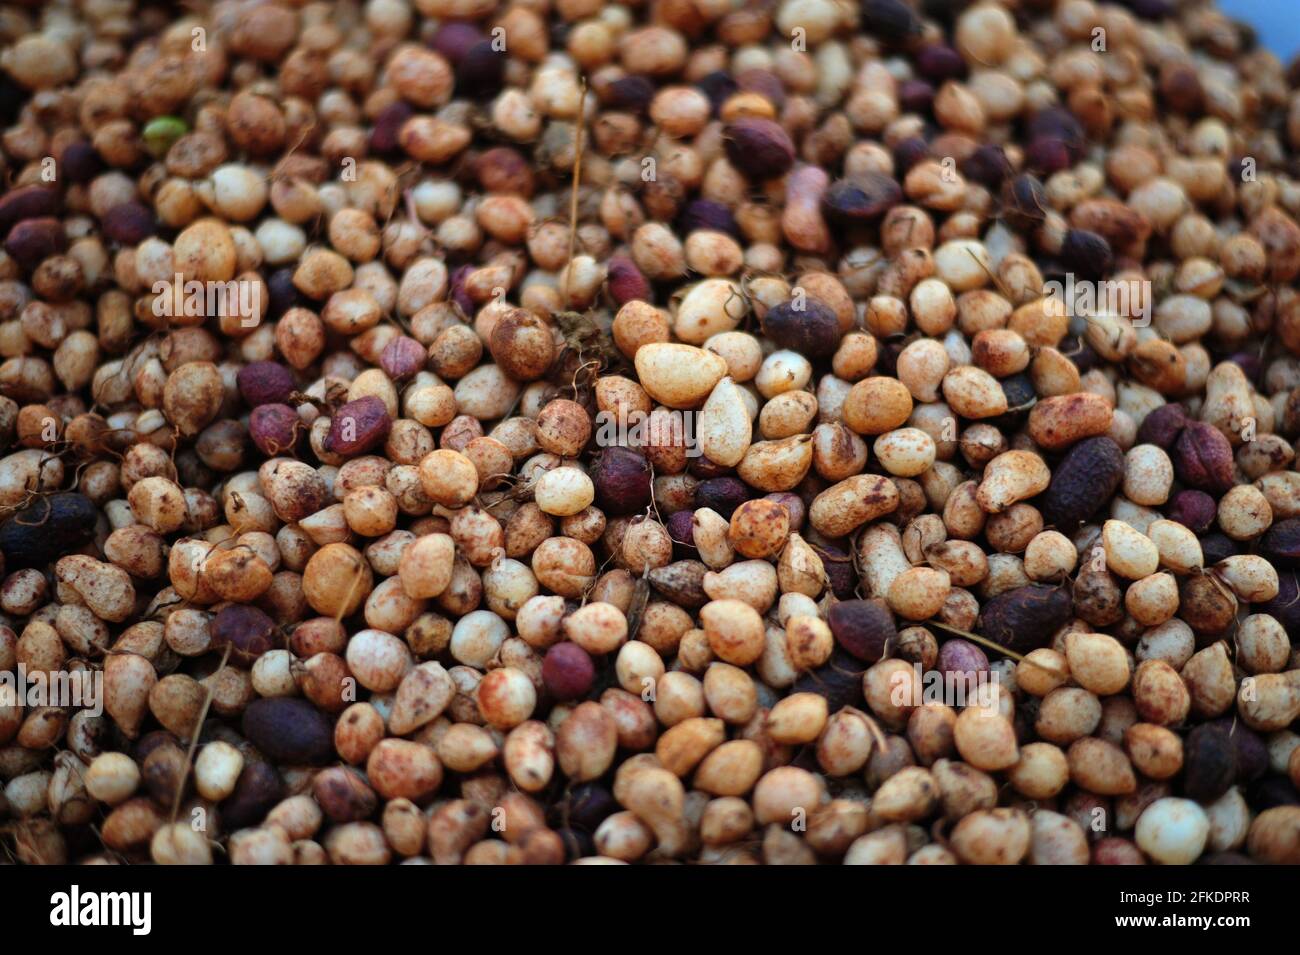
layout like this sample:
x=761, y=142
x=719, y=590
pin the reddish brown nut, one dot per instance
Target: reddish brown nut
x=1203, y=458
x=759, y=148
x=358, y=426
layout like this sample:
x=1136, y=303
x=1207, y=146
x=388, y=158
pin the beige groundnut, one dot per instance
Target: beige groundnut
x=985, y=739
x=1244, y=512
x=992, y=837
x=919, y=592
x=973, y=393
x=1152, y=600
x=1148, y=475
x=677, y=375
x=905, y=452
x=105, y=588
x=1097, y=662
x=846, y=506
x=735, y=631
x=1177, y=546
x=724, y=427
x=1129, y=552
x=1050, y=555
x=1251, y=577
x=425, y=567
x=711, y=535
x=1011, y=477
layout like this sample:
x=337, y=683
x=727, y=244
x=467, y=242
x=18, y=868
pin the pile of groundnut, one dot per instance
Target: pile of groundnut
x=697, y=431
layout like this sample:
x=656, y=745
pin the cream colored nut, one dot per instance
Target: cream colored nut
x=1097, y=662
x=905, y=452
x=679, y=376
x=1178, y=546
x=1011, y=477
x=564, y=491
x=1148, y=475
x=1129, y=553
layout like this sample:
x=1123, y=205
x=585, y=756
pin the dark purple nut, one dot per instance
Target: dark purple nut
x=723, y=494
x=457, y=292
x=838, y=565
x=1048, y=155
x=275, y=429
x=1207, y=606
x=1024, y=203
x=1272, y=791
x=1086, y=254
x=864, y=628
x=1281, y=543
x=763, y=82
x=289, y=730
x=1215, y=546
x=988, y=165
x=81, y=163
x=383, y=136
x=631, y=93
x=705, y=469
x=481, y=73
x=1084, y=480
x=567, y=671
x=759, y=148
x=718, y=86
x=863, y=198
x=455, y=38
x=264, y=383
x=505, y=169
x=246, y=630
x=129, y=223
x=1024, y=619
x=1056, y=122
x=707, y=214
x=1163, y=426
x=27, y=202
x=793, y=505
x=804, y=325
x=682, y=582
x=402, y=357
x=908, y=152
x=1193, y=509
x=681, y=530
x=938, y=62
x=358, y=426
x=258, y=788
x=1251, y=365
x=32, y=241
x=1209, y=763
x=586, y=806
x=623, y=481
x=47, y=529
x=893, y=21
x=344, y=795
x=1203, y=458
x=625, y=281
x=1251, y=751
x=839, y=680
x=965, y=661
x=281, y=293
x=915, y=96
x=1285, y=607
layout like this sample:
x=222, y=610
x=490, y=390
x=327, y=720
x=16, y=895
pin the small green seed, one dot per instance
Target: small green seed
x=161, y=132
